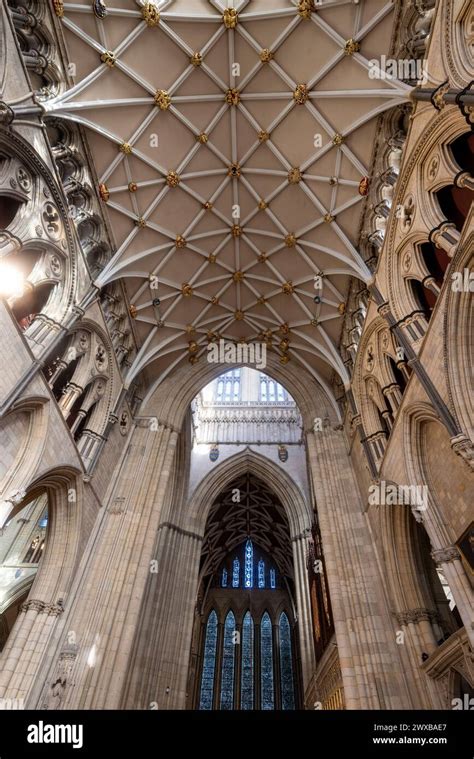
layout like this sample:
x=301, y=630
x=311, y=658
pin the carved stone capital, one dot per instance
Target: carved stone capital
x=54, y=610
x=69, y=651
x=384, y=309
x=41, y=607
x=33, y=604
x=413, y=616
x=444, y=555
x=6, y=114
x=464, y=447
x=78, y=311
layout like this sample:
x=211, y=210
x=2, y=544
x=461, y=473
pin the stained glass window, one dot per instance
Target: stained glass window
x=246, y=695
x=209, y=663
x=271, y=391
x=248, y=564
x=224, y=578
x=286, y=665
x=272, y=578
x=261, y=573
x=236, y=573
x=228, y=661
x=228, y=387
x=266, y=663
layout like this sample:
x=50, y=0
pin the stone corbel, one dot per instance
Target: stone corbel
x=464, y=447
x=7, y=114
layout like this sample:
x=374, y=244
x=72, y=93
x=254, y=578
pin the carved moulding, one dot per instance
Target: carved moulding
x=453, y=656
x=55, y=221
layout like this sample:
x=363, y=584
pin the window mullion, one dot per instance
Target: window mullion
x=276, y=664
x=238, y=666
x=256, y=668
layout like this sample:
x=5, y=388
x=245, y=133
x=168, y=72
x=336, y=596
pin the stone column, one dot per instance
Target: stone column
x=158, y=669
x=370, y=663
x=303, y=604
x=415, y=624
x=449, y=561
x=111, y=581
x=276, y=663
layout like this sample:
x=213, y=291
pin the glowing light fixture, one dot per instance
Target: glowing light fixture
x=12, y=282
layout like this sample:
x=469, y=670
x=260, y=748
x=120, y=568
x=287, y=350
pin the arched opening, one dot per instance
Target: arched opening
x=436, y=261
x=247, y=647
x=462, y=149
x=425, y=297
x=41, y=274
x=32, y=303
x=247, y=574
x=455, y=203
x=445, y=619
x=22, y=545
x=9, y=204
x=8, y=210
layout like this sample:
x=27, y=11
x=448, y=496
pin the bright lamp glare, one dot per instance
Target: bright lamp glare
x=12, y=283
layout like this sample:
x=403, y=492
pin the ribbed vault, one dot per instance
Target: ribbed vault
x=231, y=147
x=248, y=508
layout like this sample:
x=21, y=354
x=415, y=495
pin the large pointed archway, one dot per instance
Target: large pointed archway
x=247, y=600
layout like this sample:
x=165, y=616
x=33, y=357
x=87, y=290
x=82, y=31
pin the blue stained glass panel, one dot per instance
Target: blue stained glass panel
x=248, y=564
x=266, y=664
x=236, y=573
x=224, y=578
x=272, y=578
x=246, y=695
x=209, y=664
x=228, y=661
x=261, y=573
x=286, y=665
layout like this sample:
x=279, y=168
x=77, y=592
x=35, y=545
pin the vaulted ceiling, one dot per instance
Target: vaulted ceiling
x=230, y=147
x=256, y=514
